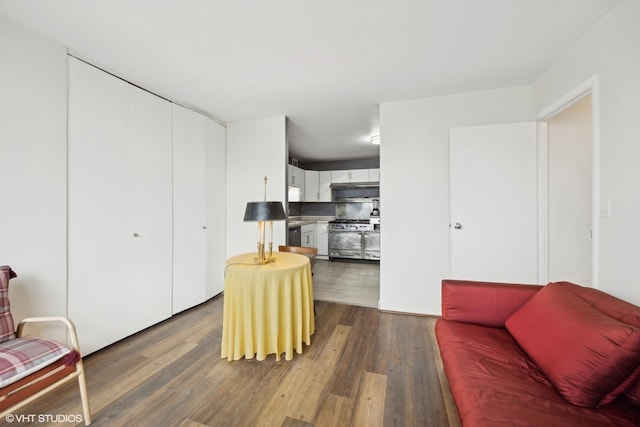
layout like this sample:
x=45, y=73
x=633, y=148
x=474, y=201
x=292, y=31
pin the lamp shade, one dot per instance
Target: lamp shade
x=264, y=211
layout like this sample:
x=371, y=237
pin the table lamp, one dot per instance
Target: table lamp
x=262, y=212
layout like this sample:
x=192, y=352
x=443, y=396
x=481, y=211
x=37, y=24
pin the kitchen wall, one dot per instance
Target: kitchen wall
x=610, y=50
x=414, y=188
x=342, y=165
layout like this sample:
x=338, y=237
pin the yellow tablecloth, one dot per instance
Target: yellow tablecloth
x=268, y=309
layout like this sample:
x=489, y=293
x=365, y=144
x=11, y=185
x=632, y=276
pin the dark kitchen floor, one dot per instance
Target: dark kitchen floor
x=354, y=283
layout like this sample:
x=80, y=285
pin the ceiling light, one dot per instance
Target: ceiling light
x=375, y=139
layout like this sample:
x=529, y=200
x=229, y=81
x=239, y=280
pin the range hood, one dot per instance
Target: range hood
x=340, y=185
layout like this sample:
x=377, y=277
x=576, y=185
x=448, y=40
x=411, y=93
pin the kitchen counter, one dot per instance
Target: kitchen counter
x=298, y=221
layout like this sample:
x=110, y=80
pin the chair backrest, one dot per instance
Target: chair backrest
x=302, y=250
x=7, y=329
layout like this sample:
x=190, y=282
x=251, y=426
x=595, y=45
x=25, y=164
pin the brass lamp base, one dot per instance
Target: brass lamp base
x=262, y=258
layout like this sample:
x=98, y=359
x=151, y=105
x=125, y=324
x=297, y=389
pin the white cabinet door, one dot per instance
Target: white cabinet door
x=308, y=232
x=296, y=176
x=189, y=209
x=322, y=238
x=359, y=175
x=216, y=195
x=149, y=202
x=324, y=186
x=311, y=186
x=340, y=176
x=352, y=175
x=98, y=211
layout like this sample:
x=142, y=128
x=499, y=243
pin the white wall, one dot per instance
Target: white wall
x=611, y=49
x=569, y=194
x=255, y=149
x=414, y=189
x=33, y=138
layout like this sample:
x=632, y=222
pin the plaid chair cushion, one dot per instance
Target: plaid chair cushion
x=7, y=329
x=23, y=356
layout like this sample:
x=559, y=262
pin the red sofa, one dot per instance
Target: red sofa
x=554, y=355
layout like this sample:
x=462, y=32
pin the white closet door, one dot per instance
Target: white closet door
x=149, y=208
x=189, y=209
x=216, y=207
x=98, y=213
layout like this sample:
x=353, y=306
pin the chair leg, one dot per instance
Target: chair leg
x=84, y=396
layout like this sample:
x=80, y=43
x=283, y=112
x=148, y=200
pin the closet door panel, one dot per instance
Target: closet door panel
x=98, y=212
x=189, y=209
x=216, y=207
x=149, y=202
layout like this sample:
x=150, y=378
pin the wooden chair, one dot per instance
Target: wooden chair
x=32, y=367
x=311, y=253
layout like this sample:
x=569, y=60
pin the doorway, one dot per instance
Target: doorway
x=569, y=193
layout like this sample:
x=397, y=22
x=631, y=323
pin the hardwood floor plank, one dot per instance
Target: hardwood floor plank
x=369, y=409
x=336, y=411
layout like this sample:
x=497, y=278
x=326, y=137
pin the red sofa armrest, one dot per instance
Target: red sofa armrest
x=483, y=303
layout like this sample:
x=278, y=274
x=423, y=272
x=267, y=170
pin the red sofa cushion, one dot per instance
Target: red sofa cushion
x=483, y=303
x=584, y=353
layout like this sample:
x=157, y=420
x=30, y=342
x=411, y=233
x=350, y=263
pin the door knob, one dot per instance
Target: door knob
x=457, y=226
x=136, y=235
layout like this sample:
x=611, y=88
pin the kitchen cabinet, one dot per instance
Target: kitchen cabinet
x=322, y=239
x=374, y=175
x=308, y=233
x=317, y=186
x=347, y=176
x=296, y=177
x=189, y=208
x=324, y=186
x=119, y=207
x=311, y=186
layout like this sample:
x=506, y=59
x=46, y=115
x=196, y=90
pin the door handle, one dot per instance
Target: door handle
x=457, y=226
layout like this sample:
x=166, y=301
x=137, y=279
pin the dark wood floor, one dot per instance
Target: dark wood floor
x=363, y=368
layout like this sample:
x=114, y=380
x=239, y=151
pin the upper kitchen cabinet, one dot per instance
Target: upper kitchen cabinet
x=324, y=186
x=119, y=207
x=317, y=186
x=311, y=186
x=296, y=177
x=189, y=209
x=347, y=176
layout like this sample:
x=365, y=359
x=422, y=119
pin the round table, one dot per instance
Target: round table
x=268, y=308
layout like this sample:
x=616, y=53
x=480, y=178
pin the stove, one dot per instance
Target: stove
x=355, y=239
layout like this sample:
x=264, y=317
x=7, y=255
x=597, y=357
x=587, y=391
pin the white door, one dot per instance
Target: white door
x=189, y=209
x=494, y=203
x=149, y=209
x=216, y=207
x=97, y=215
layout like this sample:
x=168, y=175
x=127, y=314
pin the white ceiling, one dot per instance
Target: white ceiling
x=326, y=65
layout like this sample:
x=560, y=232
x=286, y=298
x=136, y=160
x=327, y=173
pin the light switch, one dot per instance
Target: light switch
x=605, y=208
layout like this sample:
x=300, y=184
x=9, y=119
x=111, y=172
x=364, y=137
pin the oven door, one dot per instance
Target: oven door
x=371, y=242
x=345, y=244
